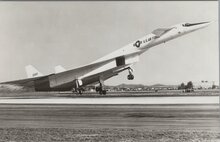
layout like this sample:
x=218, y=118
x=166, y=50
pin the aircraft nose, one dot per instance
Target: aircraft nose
x=196, y=26
x=201, y=24
x=204, y=24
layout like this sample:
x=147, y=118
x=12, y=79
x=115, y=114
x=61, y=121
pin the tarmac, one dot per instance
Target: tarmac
x=113, y=118
x=176, y=116
x=161, y=112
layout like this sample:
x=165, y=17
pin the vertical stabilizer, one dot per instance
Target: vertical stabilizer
x=32, y=71
x=59, y=69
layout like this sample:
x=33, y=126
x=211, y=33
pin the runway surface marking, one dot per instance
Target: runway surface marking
x=116, y=100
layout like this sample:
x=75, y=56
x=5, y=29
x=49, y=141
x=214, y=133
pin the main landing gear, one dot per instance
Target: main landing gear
x=130, y=76
x=100, y=88
x=78, y=89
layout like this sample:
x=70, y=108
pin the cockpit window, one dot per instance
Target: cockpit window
x=186, y=25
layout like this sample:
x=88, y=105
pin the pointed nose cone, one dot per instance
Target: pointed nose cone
x=205, y=24
x=196, y=26
x=190, y=27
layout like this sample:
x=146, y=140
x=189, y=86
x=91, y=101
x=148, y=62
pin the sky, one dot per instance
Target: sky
x=71, y=34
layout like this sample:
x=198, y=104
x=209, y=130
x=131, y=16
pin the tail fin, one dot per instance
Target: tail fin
x=32, y=71
x=59, y=69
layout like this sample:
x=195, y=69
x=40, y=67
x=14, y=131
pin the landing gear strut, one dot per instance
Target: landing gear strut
x=78, y=89
x=130, y=76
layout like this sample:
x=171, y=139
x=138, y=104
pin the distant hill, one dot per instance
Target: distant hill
x=163, y=86
x=143, y=86
x=130, y=86
x=155, y=85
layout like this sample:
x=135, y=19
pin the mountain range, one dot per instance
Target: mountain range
x=142, y=86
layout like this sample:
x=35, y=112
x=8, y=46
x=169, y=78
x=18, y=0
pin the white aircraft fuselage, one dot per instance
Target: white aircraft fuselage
x=109, y=65
x=132, y=51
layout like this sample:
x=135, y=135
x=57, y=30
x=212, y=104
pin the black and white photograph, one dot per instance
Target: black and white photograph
x=114, y=71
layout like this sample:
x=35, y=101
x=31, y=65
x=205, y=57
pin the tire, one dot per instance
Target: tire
x=80, y=92
x=100, y=92
x=104, y=92
x=130, y=77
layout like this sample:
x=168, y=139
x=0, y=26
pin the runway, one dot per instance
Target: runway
x=114, y=100
x=105, y=116
x=56, y=122
x=152, y=119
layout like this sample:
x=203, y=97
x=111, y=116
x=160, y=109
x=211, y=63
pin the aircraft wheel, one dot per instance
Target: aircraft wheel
x=100, y=92
x=104, y=92
x=130, y=77
x=80, y=92
x=97, y=89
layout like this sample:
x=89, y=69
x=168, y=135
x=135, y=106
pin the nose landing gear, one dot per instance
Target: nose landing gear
x=130, y=76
